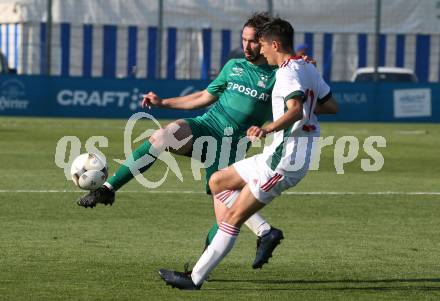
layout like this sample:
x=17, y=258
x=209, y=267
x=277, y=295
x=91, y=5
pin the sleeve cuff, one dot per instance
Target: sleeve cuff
x=295, y=94
x=214, y=92
x=325, y=98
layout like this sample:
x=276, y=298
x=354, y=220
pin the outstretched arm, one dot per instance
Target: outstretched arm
x=192, y=101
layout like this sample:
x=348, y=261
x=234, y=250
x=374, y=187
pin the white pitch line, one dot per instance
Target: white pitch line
x=83, y=191
x=202, y=192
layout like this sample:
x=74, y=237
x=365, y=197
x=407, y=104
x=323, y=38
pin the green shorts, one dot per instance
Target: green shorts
x=206, y=126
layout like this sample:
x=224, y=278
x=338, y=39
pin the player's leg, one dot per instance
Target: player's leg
x=268, y=237
x=255, y=223
x=229, y=181
x=224, y=178
x=245, y=206
x=262, y=186
x=150, y=150
x=175, y=136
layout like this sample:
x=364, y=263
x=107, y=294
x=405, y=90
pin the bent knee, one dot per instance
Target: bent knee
x=157, y=139
x=215, y=182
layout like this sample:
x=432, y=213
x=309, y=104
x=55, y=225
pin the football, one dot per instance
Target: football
x=89, y=171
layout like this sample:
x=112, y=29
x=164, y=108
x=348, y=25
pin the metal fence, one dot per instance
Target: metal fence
x=191, y=39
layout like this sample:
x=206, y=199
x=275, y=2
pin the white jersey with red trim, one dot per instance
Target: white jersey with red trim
x=296, y=78
x=286, y=161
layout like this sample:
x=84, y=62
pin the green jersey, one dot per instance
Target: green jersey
x=244, y=92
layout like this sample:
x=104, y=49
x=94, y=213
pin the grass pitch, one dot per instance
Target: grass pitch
x=380, y=241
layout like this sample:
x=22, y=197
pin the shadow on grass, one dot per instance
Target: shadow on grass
x=328, y=281
x=348, y=282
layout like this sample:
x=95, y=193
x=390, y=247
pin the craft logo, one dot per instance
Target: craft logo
x=83, y=98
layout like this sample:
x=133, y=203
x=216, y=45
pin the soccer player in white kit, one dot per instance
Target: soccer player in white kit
x=252, y=183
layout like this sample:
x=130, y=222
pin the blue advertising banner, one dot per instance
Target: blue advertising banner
x=120, y=98
x=80, y=97
x=386, y=102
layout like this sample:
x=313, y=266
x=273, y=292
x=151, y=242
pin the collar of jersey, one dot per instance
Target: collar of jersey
x=293, y=57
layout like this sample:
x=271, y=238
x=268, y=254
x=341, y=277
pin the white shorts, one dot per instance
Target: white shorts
x=265, y=183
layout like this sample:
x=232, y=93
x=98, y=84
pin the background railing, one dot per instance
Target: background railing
x=165, y=39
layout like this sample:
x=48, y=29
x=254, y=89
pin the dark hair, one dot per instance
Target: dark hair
x=257, y=20
x=280, y=30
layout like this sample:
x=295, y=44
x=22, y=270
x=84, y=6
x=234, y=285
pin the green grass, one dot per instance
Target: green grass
x=337, y=247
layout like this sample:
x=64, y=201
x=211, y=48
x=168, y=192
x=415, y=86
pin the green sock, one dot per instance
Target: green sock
x=123, y=174
x=211, y=235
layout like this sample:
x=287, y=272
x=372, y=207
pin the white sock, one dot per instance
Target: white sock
x=256, y=222
x=220, y=246
x=108, y=185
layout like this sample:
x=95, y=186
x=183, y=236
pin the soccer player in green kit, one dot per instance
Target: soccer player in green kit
x=241, y=97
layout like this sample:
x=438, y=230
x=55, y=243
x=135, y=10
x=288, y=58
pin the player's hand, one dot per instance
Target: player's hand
x=309, y=59
x=255, y=132
x=151, y=100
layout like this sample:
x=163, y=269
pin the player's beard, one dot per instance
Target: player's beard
x=252, y=56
